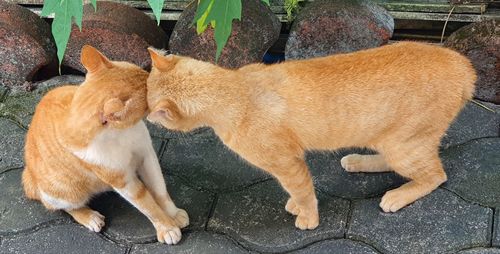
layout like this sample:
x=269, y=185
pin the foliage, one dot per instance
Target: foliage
x=64, y=11
x=218, y=13
x=157, y=7
x=292, y=7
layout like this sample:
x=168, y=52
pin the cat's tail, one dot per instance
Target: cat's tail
x=29, y=184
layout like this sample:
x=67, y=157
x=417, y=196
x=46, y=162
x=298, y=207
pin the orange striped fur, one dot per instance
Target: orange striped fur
x=87, y=139
x=397, y=99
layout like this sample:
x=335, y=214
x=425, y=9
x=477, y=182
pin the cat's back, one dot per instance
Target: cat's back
x=55, y=102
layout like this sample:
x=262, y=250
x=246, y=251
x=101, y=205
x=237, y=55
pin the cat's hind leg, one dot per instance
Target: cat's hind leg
x=424, y=169
x=89, y=218
x=364, y=163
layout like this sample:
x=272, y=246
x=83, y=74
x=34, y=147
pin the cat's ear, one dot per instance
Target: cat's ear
x=161, y=62
x=164, y=111
x=93, y=60
x=113, y=110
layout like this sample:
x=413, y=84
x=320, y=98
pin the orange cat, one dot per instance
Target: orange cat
x=87, y=139
x=397, y=99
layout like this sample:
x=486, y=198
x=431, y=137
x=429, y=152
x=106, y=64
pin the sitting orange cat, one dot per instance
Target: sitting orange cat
x=397, y=99
x=87, y=139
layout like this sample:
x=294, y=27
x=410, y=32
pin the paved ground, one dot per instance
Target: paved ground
x=235, y=208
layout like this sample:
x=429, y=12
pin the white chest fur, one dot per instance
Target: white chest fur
x=118, y=149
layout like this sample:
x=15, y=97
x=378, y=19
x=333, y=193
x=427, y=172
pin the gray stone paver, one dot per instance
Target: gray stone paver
x=440, y=222
x=206, y=163
x=18, y=213
x=256, y=218
x=11, y=145
x=481, y=251
x=67, y=239
x=158, y=131
x=473, y=122
x=340, y=246
x=496, y=230
x=193, y=243
x=125, y=223
x=473, y=170
x=329, y=176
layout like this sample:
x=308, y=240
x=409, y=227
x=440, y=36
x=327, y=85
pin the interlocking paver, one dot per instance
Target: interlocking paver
x=193, y=242
x=440, y=222
x=474, y=170
x=481, y=251
x=256, y=218
x=473, y=122
x=155, y=130
x=206, y=163
x=16, y=212
x=329, y=176
x=341, y=246
x=125, y=223
x=20, y=106
x=11, y=145
x=67, y=239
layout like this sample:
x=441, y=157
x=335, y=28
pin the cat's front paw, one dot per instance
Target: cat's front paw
x=351, y=162
x=307, y=221
x=181, y=218
x=396, y=199
x=168, y=234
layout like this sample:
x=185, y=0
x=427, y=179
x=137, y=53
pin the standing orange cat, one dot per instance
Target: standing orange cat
x=87, y=139
x=397, y=99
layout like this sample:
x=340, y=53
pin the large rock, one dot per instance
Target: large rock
x=119, y=31
x=26, y=45
x=480, y=42
x=328, y=27
x=251, y=37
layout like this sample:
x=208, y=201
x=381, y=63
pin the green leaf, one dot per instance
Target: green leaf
x=223, y=12
x=201, y=26
x=266, y=2
x=94, y=3
x=202, y=9
x=49, y=7
x=64, y=11
x=157, y=7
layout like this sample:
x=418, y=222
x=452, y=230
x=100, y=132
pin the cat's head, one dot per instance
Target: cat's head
x=176, y=97
x=113, y=94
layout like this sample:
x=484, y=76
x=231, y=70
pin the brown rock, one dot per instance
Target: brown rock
x=251, y=37
x=26, y=44
x=326, y=27
x=121, y=32
x=480, y=42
